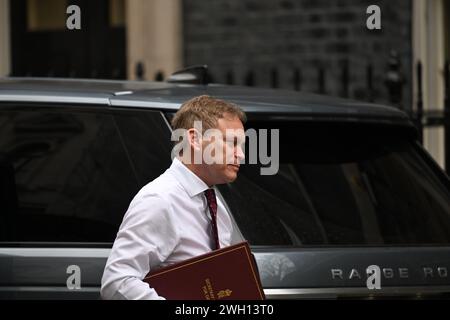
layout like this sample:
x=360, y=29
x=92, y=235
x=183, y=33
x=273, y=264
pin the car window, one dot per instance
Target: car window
x=341, y=185
x=146, y=135
x=66, y=174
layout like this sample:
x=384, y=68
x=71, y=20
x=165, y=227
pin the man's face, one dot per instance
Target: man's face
x=227, y=150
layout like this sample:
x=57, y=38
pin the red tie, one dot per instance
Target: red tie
x=212, y=204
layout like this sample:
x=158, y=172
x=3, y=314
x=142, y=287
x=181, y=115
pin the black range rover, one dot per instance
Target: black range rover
x=354, y=189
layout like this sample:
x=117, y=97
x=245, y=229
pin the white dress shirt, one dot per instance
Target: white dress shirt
x=168, y=221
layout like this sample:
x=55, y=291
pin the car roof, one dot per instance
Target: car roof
x=170, y=96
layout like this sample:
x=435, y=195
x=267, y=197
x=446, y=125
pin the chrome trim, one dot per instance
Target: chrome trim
x=166, y=122
x=351, y=291
x=123, y=93
x=53, y=99
x=56, y=252
x=117, y=102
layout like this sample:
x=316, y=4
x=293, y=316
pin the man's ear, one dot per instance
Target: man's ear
x=194, y=138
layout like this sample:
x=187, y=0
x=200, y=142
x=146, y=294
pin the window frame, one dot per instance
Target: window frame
x=93, y=108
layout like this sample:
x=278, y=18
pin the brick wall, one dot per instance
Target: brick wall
x=238, y=36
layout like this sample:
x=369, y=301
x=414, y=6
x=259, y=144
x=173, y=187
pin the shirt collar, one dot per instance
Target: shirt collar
x=189, y=180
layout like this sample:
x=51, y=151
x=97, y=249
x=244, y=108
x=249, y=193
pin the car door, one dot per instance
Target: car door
x=345, y=197
x=67, y=175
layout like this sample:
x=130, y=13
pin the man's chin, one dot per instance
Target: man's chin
x=231, y=177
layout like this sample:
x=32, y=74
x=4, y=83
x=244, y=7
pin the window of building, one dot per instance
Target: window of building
x=46, y=15
x=117, y=13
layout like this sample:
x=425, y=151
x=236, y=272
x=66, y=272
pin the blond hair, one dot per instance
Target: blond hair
x=206, y=109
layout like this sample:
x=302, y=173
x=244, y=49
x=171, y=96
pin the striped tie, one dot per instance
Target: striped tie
x=212, y=205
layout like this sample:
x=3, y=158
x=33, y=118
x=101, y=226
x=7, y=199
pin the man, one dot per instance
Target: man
x=177, y=216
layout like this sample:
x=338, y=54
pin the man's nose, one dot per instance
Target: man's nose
x=240, y=155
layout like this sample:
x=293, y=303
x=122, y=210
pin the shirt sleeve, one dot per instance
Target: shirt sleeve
x=146, y=237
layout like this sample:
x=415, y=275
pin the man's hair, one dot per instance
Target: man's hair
x=206, y=109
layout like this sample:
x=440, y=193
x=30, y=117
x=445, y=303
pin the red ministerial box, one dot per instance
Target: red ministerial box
x=225, y=274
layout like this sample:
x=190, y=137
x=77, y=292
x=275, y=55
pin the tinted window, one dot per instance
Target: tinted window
x=65, y=174
x=146, y=136
x=342, y=184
